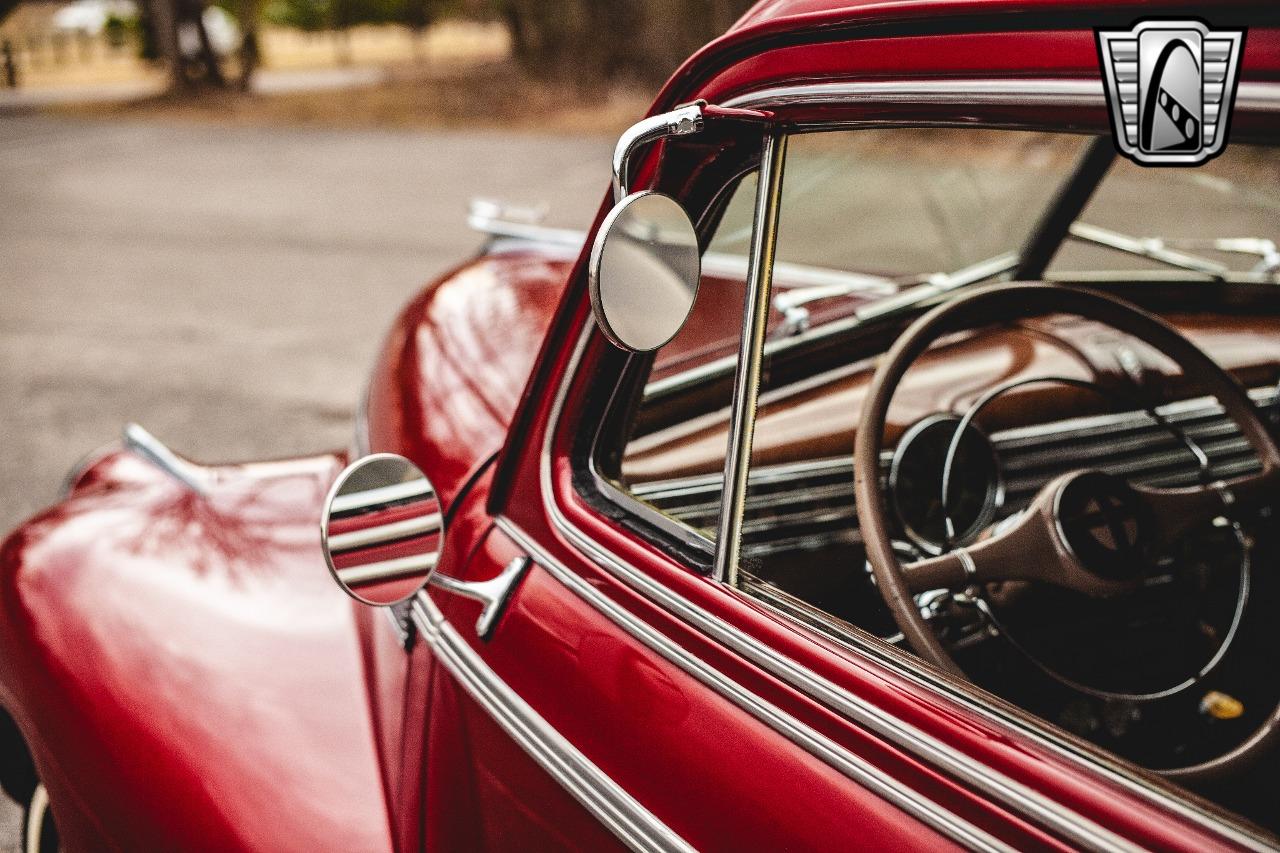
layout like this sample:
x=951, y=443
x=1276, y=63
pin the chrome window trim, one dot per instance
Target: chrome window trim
x=1250, y=96
x=616, y=810
x=1078, y=829
x=1040, y=809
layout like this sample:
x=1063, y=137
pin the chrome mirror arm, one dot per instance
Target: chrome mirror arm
x=493, y=593
x=681, y=121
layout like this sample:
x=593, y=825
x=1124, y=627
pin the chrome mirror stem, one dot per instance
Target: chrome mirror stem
x=681, y=121
x=493, y=593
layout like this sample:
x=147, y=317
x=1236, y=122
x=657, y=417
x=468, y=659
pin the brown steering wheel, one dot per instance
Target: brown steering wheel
x=1038, y=546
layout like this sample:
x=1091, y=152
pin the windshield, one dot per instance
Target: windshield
x=906, y=202
x=900, y=205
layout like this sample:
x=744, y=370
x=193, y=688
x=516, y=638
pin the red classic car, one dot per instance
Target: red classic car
x=893, y=465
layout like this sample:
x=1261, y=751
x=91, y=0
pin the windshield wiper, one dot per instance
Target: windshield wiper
x=1152, y=248
x=793, y=303
x=1265, y=250
x=938, y=284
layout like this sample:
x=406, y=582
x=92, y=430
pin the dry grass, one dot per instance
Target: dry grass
x=495, y=95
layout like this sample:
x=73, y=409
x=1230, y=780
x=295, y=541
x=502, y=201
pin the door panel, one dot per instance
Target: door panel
x=711, y=774
x=482, y=790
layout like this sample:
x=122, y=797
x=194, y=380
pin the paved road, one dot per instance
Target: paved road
x=225, y=288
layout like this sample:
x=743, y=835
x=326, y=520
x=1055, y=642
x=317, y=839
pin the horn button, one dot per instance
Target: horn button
x=1101, y=522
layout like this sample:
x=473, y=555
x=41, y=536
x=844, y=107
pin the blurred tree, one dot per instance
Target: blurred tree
x=306, y=15
x=161, y=22
x=342, y=15
x=602, y=40
x=249, y=15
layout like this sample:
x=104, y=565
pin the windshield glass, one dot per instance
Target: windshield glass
x=906, y=202
x=902, y=204
x=1223, y=212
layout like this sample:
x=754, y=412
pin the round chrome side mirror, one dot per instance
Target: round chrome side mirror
x=644, y=271
x=382, y=529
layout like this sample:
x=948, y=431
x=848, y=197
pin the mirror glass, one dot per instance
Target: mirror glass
x=382, y=529
x=644, y=271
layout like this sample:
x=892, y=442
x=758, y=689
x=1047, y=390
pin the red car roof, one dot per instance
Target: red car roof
x=803, y=13
x=800, y=40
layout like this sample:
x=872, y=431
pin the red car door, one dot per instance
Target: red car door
x=496, y=770
x=565, y=727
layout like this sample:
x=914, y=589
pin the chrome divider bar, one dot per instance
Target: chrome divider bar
x=746, y=385
x=617, y=810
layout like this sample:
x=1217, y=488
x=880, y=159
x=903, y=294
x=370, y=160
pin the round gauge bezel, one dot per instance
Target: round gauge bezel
x=992, y=502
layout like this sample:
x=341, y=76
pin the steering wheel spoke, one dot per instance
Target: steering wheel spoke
x=1173, y=512
x=1073, y=513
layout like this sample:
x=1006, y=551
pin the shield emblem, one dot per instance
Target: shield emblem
x=1170, y=87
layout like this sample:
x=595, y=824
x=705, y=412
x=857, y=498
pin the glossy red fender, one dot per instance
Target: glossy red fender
x=181, y=667
x=452, y=369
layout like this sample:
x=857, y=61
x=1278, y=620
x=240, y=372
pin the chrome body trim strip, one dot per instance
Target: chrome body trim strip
x=387, y=570
x=1262, y=97
x=385, y=532
x=839, y=758
x=154, y=451
x=617, y=810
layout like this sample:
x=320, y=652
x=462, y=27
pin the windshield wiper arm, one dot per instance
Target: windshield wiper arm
x=1265, y=250
x=1152, y=248
x=793, y=303
x=937, y=285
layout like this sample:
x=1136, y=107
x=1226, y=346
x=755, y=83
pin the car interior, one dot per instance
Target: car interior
x=1166, y=653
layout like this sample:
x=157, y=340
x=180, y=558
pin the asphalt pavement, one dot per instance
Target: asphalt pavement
x=226, y=288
